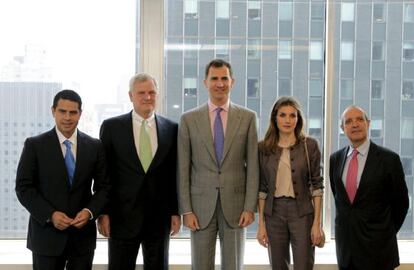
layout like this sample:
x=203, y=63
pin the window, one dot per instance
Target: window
x=376, y=128
x=190, y=9
x=347, y=12
x=254, y=9
x=407, y=163
x=347, y=89
x=285, y=11
x=316, y=50
x=317, y=11
x=315, y=88
x=253, y=88
x=408, y=51
x=378, y=51
x=347, y=51
x=378, y=11
x=222, y=9
x=408, y=90
x=285, y=51
x=190, y=87
x=407, y=128
x=285, y=87
x=376, y=89
x=409, y=13
x=253, y=49
x=315, y=127
x=222, y=48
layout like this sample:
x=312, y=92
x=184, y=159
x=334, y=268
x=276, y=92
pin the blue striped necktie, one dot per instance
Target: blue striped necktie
x=69, y=161
x=218, y=136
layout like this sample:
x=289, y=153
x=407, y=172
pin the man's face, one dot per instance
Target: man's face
x=219, y=84
x=67, y=115
x=144, y=98
x=355, y=126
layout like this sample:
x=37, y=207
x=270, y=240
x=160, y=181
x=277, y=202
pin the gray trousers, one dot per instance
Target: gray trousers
x=203, y=244
x=286, y=227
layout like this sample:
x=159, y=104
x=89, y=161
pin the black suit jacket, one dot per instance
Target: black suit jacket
x=366, y=230
x=42, y=187
x=137, y=196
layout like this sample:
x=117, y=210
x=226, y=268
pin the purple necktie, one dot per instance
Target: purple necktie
x=351, y=177
x=218, y=136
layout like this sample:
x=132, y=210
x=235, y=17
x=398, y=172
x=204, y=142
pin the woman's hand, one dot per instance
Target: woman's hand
x=316, y=234
x=262, y=235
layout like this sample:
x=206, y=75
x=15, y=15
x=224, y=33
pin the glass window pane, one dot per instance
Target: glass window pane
x=409, y=13
x=222, y=9
x=253, y=49
x=407, y=163
x=285, y=87
x=253, y=87
x=190, y=9
x=347, y=89
x=315, y=88
x=408, y=90
x=379, y=12
x=376, y=128
x=347, y=50
x=347, y=12
x=285, y=11
x=254, y=9
x=190, y=87
x=222, y=48
x=378, y=50
x=316, y=50
x=377, y=89
x=285, y=50
x=407, y=128
x=315, y=127
x=408, y=51
x=317, y=11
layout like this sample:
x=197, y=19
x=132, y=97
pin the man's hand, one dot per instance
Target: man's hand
x=104, y=227
x=175, y=225
x=246, y=218
x=81, y=219
x=191, y=221
x=60, y=220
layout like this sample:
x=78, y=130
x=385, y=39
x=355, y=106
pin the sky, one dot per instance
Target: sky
x=89, y=43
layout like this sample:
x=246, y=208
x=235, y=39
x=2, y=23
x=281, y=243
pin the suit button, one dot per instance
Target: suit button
x=291, y=159
x=294, y=182
x=293, y=170
x=219, y=172
x=296, y=194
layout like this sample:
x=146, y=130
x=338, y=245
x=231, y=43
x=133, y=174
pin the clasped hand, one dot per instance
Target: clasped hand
x=61, y=221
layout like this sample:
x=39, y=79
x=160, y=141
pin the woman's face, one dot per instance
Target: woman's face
x=286, y=119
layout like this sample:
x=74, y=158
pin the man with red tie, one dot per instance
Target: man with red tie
x=371, y=198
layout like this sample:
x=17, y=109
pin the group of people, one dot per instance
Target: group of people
x=147, y=173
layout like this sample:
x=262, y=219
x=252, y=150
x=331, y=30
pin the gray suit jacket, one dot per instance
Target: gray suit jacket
x=200, y=181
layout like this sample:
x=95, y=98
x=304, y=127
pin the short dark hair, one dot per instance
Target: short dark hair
x=68, y=95
x=218, y=63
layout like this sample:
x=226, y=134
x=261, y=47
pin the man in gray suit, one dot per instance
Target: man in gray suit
x=218, y=172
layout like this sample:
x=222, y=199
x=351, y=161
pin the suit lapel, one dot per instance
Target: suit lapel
x=341, y=166
x=370, y=166
x=81, y=153
x=202, y=121
x=163, y=141
x=129, y=137
x=57, y=155
x=233, y=123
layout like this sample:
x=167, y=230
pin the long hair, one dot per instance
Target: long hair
x=271, y=139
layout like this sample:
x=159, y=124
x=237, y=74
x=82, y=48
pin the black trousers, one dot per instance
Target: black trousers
x=154, y=239
x=69, y=260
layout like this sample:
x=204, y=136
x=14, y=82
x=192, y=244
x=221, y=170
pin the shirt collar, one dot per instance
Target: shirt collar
x=362, y=149
x=139, y=118
x=62, y=138
x=212, y=107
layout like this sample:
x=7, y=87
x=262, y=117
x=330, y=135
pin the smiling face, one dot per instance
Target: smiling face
x=67, y=115
x=355, y=125
x=286, y=119
x=219, y=83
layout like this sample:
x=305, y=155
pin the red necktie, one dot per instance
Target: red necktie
x=351, y=177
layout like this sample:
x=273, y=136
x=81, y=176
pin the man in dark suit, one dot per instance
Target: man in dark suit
x=54, y=178
x=141, y=147
x=371, y=198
